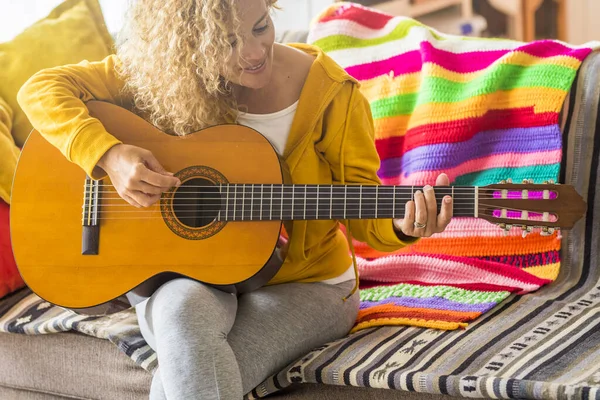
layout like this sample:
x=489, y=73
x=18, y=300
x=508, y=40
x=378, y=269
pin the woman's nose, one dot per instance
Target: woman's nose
x=253, y=51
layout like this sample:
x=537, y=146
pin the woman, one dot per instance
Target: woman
x=190, y=64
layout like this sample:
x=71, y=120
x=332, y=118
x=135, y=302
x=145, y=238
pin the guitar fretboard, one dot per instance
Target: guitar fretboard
x=248, y=202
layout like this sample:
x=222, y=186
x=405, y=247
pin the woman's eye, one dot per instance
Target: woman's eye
x=262, y=28
x=233, y=44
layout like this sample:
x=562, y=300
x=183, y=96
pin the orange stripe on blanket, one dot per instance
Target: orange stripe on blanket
x=471, y=247
x=549, y=271
x=386, y=86
x=443, y=325
x=391, y=126
x=543, y=100
x=394, y=311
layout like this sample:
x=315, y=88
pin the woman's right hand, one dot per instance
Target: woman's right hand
x=136, y=174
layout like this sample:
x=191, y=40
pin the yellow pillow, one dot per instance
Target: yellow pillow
x=72, y=32
x=9, y=153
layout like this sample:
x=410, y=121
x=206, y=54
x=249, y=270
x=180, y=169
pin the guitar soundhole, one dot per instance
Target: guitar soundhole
x=196, y=203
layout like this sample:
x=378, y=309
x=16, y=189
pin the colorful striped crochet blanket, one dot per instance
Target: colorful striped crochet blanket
x=481, y=110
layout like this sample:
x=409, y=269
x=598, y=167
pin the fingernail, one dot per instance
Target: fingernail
x=178, y=184
x=427, y=187
x=447, y=199
x=418, y=193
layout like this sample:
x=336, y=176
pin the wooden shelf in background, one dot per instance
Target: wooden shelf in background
x=421, y=8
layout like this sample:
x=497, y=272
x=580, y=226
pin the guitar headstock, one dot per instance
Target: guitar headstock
x=548, y=206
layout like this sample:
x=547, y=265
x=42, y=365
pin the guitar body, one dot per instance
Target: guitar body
x=48, y=235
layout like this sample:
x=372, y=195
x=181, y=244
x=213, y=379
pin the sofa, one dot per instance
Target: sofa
x=540, y=345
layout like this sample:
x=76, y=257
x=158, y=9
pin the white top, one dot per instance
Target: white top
x=276, y=128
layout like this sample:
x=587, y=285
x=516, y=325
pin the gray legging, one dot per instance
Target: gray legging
x=215, y=345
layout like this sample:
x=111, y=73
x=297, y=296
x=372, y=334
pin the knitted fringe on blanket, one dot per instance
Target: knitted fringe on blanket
x=480, y=110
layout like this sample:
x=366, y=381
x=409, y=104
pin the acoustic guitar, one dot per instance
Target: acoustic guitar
x=78, y=245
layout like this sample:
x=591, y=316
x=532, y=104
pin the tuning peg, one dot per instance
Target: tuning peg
x=503, y=181
x=509, y=180
x=546, y=231
x=526, y=181
x=505, y=227
x=526, y=230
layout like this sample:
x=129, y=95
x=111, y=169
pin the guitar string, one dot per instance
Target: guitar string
x=514, y=186
x=251, y=212
x=339, y=188
x=515, y=221
x=236, y=217
x=278, y=209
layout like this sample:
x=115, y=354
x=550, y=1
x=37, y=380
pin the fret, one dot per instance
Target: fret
x=246, y=200
x=324, y=202
x=276, y=202
x=271, y=208
x=305, y=199
x=475, y=211
x=262, y=195
x=368, y=202
x=311, y=209
x=317, y=203
x=293, y=189
x=256, y=204
x=331, y=204
x=360, y=203
x=338, y=202
x=243, y=199
x=299, y=201
x=235, y=210
x=288, y=202
x=345, y=197
x=385, y=203
x=352, y=201
x=394, y=202
x=376, y=199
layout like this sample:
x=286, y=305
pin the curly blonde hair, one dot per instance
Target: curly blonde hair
x=171, y=54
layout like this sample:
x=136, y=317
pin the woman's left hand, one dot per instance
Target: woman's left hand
x=421, y=218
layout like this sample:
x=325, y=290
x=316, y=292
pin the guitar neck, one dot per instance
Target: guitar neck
x=248, y=202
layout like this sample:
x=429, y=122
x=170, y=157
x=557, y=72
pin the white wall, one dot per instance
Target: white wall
x=16, y=15
x=297, y=14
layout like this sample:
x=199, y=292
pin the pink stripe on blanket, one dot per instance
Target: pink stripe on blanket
x=476, y=227
x=405, y=63
x=445, y=269
x=412, y=61
x=365, y=16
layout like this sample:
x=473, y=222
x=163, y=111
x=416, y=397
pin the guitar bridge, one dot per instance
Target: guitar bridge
x=89, y=221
